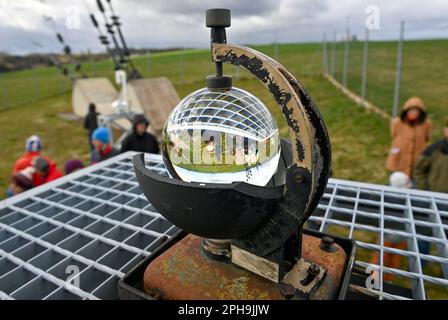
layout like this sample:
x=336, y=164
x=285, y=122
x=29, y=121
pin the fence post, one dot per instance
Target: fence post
x=276, y=50
x=61, y=82
x=333, y=56
x=5, y=102
x=345, y=66
x=35, y=84
x=364, y=66
x=181, y=65
x=398, y=70
x=148, y=64
x=324, y=55
x=93, y=65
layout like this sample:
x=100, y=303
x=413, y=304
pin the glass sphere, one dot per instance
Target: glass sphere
x=221, y=136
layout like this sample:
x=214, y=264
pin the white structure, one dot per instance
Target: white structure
x=154, y=97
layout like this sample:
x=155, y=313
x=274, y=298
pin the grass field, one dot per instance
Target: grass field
x=360, y=140
x=424, y=74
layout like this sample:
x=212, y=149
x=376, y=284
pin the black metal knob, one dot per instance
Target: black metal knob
x=326, y=244
x=217, y=18
x=312, y=272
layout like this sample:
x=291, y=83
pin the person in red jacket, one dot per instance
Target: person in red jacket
x=33, y=147
x=46, y=171
x=21, y=181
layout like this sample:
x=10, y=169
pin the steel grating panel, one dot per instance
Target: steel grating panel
x=391, y=224
x=95, y=221
x=98, y=220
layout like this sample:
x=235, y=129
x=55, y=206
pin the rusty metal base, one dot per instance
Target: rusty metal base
x=184, y=272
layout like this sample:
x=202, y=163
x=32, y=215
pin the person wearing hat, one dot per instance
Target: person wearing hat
x=431, y=170
x=46, y=171
x=139, y=139
x=21, y=181
x=410, y=133
x=33, y=147
x=400, y=179
x=102, y=148
x=73, y=165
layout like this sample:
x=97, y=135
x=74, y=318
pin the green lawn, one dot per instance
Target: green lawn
x=360, y=140
x=424, y=74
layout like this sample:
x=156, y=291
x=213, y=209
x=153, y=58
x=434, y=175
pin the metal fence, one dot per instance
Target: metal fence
x=98, y=220
x=408, y=226
x=29, y=86
x=373, y=70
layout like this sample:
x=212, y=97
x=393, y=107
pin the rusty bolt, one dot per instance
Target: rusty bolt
x=314, y=269
x=326, y=244
x=312, y=272
x=287, y=290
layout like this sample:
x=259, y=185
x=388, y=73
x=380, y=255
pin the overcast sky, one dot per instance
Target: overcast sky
x=177, y=23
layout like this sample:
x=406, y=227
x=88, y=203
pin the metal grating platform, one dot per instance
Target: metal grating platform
x=98, y=220
x=391, y=224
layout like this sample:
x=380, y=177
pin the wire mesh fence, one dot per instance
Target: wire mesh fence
x=386, y=73
x=99, y=221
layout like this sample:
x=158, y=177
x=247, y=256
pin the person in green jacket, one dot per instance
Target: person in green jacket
x=431, y=170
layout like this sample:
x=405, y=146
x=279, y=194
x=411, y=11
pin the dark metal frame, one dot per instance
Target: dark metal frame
x=264, y=221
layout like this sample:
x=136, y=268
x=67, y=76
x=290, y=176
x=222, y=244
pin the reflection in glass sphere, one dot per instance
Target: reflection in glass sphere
x=221, y=136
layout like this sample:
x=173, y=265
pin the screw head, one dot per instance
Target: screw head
x=314, y=269
x=287, y=290
x=326, y=244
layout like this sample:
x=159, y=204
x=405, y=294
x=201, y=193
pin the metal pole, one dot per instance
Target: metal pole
x=345, y=66
x=36, y=84
x=324, y=55
x=364, y=66
x=398, y=71
x=93, y=65
x=333, y=56
x=6, y=102
x=148, y=64
x=237, y=73
x=181, y=66
x=276, y=51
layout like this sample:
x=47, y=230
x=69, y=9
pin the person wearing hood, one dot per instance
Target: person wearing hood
x=91, y=123
x=431, y=170
x=73, y=165
x=139, y=139
x=410, y=133
x=46, y=171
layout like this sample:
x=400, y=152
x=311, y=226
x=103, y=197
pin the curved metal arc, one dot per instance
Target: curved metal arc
x=308, y=134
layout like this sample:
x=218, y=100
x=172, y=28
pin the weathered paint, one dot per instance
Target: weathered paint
x=307, y=131
x=185, y=272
